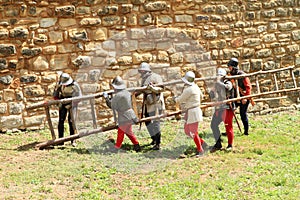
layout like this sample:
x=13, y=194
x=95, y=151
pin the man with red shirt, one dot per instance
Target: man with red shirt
x=244, y=87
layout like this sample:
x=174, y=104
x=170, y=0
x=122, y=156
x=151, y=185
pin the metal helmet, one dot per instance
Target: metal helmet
x=144, y=67
x=118, y=83
x=233, y=63
x=65, y=79
x=221, y=72
x=189, y=78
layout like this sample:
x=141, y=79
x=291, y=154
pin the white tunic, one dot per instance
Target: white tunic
x=190, y=101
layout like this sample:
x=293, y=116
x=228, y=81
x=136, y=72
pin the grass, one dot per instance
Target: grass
x=263, y=165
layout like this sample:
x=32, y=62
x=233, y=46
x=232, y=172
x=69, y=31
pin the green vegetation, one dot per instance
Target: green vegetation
x=263, y=165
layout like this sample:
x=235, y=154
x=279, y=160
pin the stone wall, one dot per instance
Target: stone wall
x=96, y=40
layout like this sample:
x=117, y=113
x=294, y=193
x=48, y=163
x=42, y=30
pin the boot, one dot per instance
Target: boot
x=217, y=146
x=153, y=140
x=137, y=147
x=156, y=147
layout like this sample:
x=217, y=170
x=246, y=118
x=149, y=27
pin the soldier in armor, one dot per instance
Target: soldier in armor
x=223, y=113
x=67, y=88
x=121, y=104
x=153, y=102
x=244, y=87
x=190, y=100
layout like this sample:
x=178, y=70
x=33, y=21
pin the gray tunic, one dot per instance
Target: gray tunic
x=223, y=91
x=122, y=104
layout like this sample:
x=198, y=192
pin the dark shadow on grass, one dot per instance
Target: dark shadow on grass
x=167, y=153
x=80, y=150
x=26, y=147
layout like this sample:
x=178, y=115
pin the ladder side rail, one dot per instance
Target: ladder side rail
x=50, y=123
x=257, y=84
x=275, y=81
x=92, y=104
x=293, y=77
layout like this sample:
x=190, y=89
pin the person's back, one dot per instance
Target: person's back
x=189, y=100
x=122, y=103
x=191, y=96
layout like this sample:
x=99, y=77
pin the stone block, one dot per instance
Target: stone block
x=184, y=18
x=252, y=42
x=28, y=78
x=221, y=9
x=287, y=26
x=293, y=49
x=251, y=6
x=7, y=50
x=90, y=22
x=31, y=52
x=83, y=10
x=3, y=108
x=110, y=20
x=56, y=37
x=263, y=53
x=177, y=58
x=126, y=8
x=34, y=91
x=4, y=33
x=6, y=79
x=145, y=19
x=82, y=61
x=107, y=10
x=34, y=120
x=94, y=75
x=78, y=35
x=15, y=108
x=40, y=64
x=47, y=22
x=65, y=11
x=91, y=88
x=19, y=33
x=156, y=6
x=66, y=48
x=48, y=50
x=59, y=62
x=11, y=122
x=211, y=34
x=67, y=22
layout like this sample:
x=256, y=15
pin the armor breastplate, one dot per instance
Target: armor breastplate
x=67, y=91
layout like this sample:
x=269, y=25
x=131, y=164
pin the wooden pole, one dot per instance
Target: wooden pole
x=275, y=80
x=48, y=143
x=50, y=123
x=92, y=103
x=257, y=84
x=211, y=104
x=293, y=77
